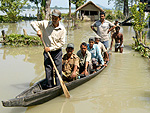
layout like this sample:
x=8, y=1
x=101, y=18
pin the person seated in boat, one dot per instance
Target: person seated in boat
x=70, y=64
x=85, y=59
x=118, y=37
x=95, y=54
x=102, y=48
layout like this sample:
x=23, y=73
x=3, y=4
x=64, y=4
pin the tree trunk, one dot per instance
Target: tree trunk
x=140, y=36
x=136, y=36
x=38, y=12
x=70, y=8
x=47, y=9
x=126, y=9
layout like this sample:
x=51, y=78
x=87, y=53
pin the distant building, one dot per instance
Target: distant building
x=89, y=11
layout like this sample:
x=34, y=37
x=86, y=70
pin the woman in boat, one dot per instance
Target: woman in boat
x=70, y=64
x=85, y=59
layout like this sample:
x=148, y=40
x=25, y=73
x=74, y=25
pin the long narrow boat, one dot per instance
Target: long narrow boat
x=36, y=95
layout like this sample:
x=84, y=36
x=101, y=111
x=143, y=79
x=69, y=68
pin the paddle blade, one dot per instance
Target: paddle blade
x=66, y=92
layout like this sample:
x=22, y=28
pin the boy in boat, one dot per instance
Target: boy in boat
x=102, y=48
x=95, y=54
x=85, y=59
x=118, y=40
x=53, y=34
x=70, y=64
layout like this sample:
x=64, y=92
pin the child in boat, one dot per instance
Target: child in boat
x=118, y=40
x=70, y=64
x=85, y=59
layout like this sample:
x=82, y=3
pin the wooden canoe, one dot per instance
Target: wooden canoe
x=36, y=95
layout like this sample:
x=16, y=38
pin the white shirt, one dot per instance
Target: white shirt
x=54, y=38
x=102, y=29
x=102, y=47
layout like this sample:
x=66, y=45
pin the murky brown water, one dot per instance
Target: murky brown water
x=123, y=87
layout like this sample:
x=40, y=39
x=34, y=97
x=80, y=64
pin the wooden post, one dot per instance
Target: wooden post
x=3, y=34
x=24, y=31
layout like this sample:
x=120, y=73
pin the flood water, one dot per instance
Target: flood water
x=123, y=87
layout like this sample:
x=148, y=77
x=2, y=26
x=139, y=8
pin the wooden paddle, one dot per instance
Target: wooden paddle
x=65, y=90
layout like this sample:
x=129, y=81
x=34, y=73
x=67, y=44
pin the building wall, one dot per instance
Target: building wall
x=87, y=16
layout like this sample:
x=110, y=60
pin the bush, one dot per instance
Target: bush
x=18, y=40
x=110, y=17
x=119, y=15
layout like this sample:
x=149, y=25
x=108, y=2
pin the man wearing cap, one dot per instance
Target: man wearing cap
x=70, y=64
x=118, y=40
x=53, y=34
x=102, y=48
x=103, y=29
x=95, y=53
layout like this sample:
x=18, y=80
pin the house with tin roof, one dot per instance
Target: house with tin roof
x=89, y=11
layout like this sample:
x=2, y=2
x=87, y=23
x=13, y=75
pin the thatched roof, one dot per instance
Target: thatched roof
x=90, y=2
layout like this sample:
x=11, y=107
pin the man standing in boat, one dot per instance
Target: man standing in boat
x=85, y=59
x=53, y=34
x=118, y=40
x=70, y=64
x=103, y=29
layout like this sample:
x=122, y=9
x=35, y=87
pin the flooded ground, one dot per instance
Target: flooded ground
x=123, y=87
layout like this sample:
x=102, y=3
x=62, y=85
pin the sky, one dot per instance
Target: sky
x=65, y=3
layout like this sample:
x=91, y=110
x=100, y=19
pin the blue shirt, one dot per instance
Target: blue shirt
x=96, y=53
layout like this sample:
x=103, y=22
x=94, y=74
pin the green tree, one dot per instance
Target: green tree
x=139, y=21
x=138, y=25
x=12, y=8
x=78, y=3
x=37, y=2
x=123, y=5
x=45, y=8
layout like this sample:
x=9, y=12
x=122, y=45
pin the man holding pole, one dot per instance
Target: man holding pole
x=52, y=34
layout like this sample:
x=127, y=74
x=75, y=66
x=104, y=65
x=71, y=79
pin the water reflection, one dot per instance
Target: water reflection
x=56, y=106
x=17, y=28
x=30, y=55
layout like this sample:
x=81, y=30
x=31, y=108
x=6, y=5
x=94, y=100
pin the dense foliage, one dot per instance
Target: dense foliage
x=138, y=25
x=18, y=40
x=12, y=8
x=123, y=5
x=116, y=15
x=78, y=3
